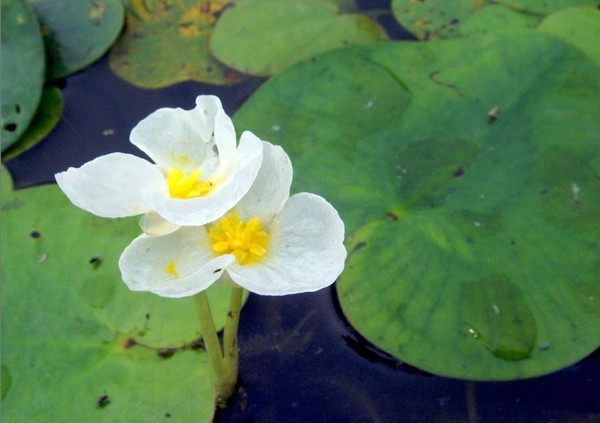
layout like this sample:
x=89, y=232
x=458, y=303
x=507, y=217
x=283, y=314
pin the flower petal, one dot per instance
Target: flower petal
x=187, y=139
x=176, y=265
x=223, y=127
x=271, y=188
x=234, y=185
x=305, y=253
x=111, y=185
x=154, y=225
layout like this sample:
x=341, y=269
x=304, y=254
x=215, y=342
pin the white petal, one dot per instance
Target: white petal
x=176, y=265
x=223, y=128
x=154, y=224
x=271, y=188
x=186, y=139
x=234, y=185
x=111, y=185
x=305, y=253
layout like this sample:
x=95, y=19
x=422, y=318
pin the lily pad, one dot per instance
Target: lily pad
x=579, y=26
x=545, y=7
x=434, y=18
x=22, y=69
x=470, y=194
x=44, y=120
x=495, y=18
x=168, y=43
x=77, y=32
x=263, y=37
x=119, y=355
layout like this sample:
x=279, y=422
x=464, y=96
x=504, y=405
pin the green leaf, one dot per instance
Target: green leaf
x=68, y=318
x=22, y=69
x=325, y=129
x=579, y=27
x=168, y=43
x=434, y=18
x=45, y=119
x=496, y=18
x=263, y=37
x=77, y=32
x=470, y=195
x=545, y=7
x=6, y=182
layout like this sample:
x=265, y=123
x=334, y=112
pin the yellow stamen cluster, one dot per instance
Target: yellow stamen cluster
x=247, y=241
x=182, y=185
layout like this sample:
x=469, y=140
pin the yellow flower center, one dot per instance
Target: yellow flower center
x=247, y=241
x=182, y=185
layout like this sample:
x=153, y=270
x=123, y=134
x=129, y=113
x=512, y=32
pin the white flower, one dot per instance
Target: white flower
x=270, y=243
x=197, y=174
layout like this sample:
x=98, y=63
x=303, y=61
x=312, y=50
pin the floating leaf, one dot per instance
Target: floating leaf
x=263, y=37
x=22, y=69
x=167, y=43
x=466, y=174
x=77, y=32
x=496, y=18
x=434, y=18
x=45, y=119
x=545, y=7
x=6, y=182
x=66, y=316
x=578, y=26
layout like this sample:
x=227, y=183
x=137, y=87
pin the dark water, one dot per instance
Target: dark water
x=300, y=361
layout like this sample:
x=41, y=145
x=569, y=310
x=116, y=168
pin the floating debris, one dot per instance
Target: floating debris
x=493, y=114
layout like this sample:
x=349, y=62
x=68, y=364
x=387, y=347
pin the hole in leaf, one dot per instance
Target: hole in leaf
x=166, y=352
x=458, y=172
x=10, y=127
x=102, y=401
x=96, y=261
x=129, y=342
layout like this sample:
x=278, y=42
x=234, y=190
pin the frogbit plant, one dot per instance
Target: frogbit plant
x=197, y=174
x=267, y=242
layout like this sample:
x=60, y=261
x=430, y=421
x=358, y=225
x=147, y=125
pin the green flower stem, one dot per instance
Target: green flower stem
x=213, y=346
x=225, y=366
x=230, y=343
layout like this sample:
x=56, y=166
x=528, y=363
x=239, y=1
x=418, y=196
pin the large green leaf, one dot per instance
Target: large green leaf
x=262, y=37
x=166, y=43
x=77, y=32
x=22, y=69
x=579, y=26
x=428, y=19
x=545, y=7
x=45, y=119
x=72, y=332
x=466, y=172
x=495, y=18
x=434, y=18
